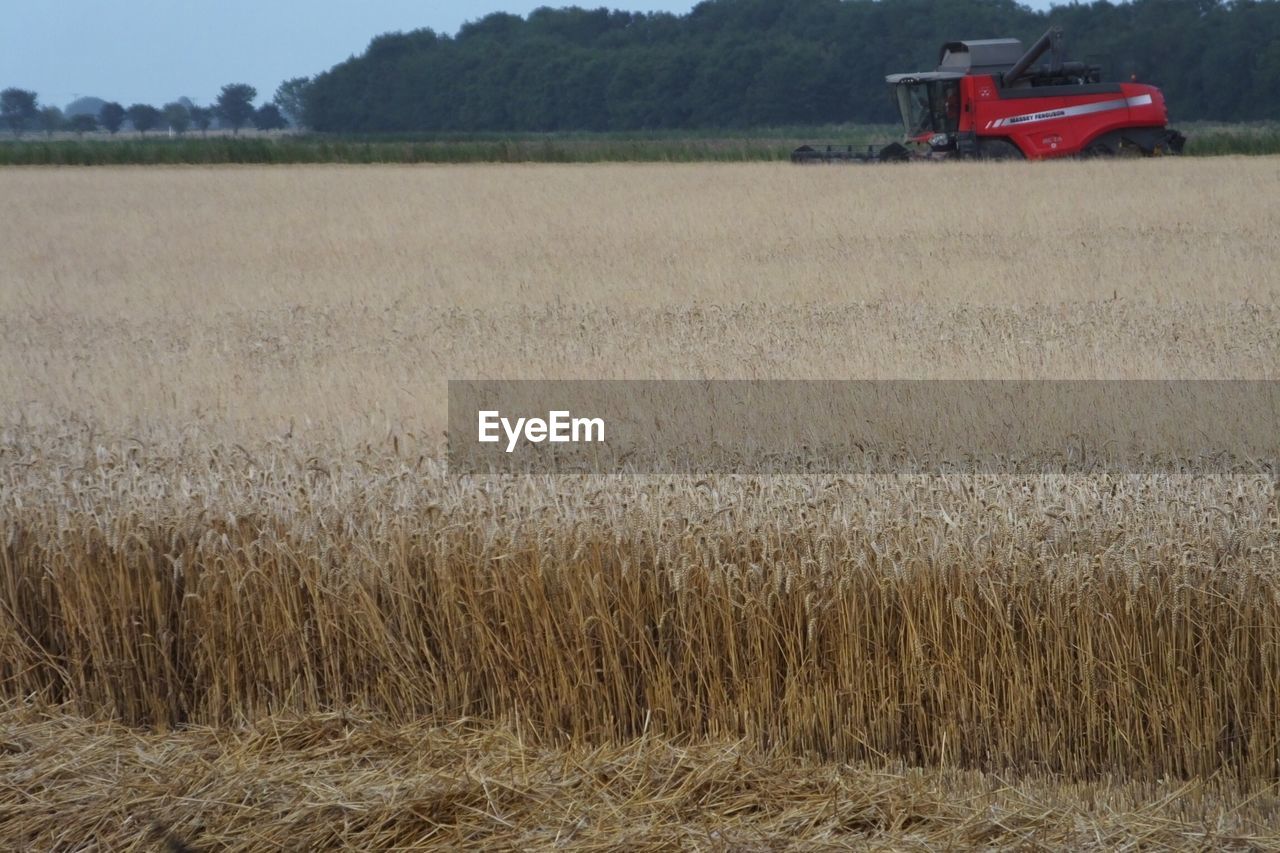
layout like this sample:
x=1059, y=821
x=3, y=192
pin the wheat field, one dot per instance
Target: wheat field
x=245, y=605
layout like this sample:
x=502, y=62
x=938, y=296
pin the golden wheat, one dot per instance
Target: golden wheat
x=1083, y=624
x=334, y=302
x=223, y=514
x=156, y=243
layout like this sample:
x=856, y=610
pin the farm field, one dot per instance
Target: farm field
x=243, y=602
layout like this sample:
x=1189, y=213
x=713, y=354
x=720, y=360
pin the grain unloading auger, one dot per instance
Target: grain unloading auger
x=986, y=101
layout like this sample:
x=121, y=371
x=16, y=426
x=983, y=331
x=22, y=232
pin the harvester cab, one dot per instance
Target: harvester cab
x=930, y=106
x=988, y=99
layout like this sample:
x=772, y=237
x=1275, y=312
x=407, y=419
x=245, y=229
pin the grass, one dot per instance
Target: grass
x=371, y=786
x=708, y=146
x=1214, y=138
x=437, y=148
x=241, y=600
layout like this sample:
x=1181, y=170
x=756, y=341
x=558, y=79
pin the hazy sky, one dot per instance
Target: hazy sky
x=154, y=51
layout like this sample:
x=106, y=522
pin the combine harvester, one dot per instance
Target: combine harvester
x=985, y=101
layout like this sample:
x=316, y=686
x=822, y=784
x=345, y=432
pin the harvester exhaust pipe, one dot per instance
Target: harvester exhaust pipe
x=1051, y=39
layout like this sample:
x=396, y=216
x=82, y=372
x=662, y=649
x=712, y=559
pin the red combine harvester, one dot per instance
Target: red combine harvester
x=986, y=101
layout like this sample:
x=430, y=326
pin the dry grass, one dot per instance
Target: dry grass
x=223, y=521
x=352, y=782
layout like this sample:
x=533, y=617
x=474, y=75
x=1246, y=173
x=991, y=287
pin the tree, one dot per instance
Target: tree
x=51, y=120
x=737, y=63
x=235, y=105
x=201, y=117
x=143, y=117
x=178, y=117
x=268, y=117
x=82, y=123
x=290, y=98
x=88, y=105
x=111, y=116
x=17, y=109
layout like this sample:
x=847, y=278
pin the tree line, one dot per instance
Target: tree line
x=742, y=63
x=725, y=64
x=21, y=111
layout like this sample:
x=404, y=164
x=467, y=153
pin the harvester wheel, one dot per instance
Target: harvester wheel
x=1130, y=148
x=998, y=149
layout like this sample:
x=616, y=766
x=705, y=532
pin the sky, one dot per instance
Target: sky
x=155, y=51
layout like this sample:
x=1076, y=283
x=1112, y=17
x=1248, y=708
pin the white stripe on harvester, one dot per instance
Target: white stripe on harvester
x=1064, y=112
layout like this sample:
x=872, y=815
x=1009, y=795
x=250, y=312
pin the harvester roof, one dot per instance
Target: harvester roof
x=979, y=56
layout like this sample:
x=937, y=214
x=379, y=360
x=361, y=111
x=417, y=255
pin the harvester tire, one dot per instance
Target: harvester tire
x=999, y=149
x=1112, y=145
x=1136, y=142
